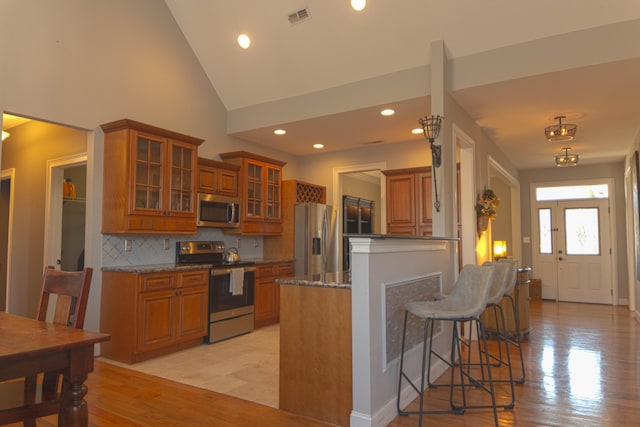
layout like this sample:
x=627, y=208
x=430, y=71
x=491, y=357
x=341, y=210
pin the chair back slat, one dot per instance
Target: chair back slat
x=72, y=290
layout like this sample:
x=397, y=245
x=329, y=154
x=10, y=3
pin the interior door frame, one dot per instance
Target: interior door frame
x=53, y=205
x=10, y=174
x=535, y=231
x=466, y=148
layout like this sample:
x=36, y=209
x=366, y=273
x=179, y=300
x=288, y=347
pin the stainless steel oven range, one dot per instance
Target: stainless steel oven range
x=231, y=288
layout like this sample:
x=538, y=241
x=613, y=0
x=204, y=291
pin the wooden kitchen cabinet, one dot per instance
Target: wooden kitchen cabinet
x=217, y=177
x=260, y=187
x=266, y=308
x=409, y=207
x=149, y=179
x=150, y=314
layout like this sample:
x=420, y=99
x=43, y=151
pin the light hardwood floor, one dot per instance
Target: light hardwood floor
x=582, y=366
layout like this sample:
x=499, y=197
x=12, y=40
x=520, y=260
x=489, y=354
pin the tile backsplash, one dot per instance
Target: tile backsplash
x=150, y=249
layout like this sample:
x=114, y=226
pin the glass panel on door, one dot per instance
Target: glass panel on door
x=582, y=234
x=546, y=237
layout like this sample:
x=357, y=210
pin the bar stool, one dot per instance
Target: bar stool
x=466, y=302
x=503, y=274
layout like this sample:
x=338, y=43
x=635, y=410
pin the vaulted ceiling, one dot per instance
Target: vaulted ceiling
x=514, y=66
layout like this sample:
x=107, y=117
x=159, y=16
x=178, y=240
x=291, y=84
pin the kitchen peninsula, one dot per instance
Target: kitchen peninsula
x=340, y=332
x=315, y=346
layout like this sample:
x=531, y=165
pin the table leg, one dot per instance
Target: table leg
x=74, y=411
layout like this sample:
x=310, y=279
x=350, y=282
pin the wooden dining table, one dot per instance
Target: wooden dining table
x=29, y=346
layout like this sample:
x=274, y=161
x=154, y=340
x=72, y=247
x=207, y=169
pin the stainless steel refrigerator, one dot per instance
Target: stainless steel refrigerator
x=316, y=239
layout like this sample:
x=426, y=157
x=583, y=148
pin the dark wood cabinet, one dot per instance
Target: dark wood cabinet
x=409, y=207
x=149, y=179
x=149, y=314
x=267, y=292
x=260, y=187
x=217, y=177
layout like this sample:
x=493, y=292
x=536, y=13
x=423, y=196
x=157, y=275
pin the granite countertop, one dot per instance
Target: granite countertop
x=336, y=279
x=399, y=236
x=158, y=268
x=155, y=268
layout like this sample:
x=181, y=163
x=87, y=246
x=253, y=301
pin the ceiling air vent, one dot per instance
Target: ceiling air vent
x=299, y=16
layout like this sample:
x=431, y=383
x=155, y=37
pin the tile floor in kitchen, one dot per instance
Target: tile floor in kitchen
x=246, y=366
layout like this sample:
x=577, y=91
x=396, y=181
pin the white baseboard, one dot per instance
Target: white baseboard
x=389, y=411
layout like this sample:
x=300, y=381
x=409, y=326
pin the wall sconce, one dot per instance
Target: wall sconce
x=431, y=128
x=5, y=135
x=499, y=249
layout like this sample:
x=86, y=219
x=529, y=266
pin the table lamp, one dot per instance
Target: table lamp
x=499, y=249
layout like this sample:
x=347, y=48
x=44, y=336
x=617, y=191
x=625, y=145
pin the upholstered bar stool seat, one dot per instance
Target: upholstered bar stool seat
x=466, y=302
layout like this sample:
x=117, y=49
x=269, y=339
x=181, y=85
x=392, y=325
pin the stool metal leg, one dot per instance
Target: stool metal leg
x=518, y=338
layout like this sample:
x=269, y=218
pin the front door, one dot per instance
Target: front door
x=574, y=251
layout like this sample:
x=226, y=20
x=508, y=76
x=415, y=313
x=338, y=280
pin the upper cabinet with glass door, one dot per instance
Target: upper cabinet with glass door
x=149, y=179
x=260, y=186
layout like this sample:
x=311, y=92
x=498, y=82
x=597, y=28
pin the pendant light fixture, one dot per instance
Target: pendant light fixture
x=561, y=131
x=566, y=159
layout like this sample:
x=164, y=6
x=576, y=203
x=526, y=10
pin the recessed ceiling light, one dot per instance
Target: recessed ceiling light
x=279, y=131
x=387, y=112
x=318, y=146
x=416, y=131
x=358, y=4
x=244, y=41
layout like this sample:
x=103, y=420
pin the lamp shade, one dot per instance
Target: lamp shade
x=499, y=249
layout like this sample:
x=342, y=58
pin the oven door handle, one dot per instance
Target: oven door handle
x=226, y=271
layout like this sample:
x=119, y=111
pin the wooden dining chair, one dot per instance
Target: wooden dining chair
x=42, y=399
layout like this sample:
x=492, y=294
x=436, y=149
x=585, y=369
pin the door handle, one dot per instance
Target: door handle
x=560, y=258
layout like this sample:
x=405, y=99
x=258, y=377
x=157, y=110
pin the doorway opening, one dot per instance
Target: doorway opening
x=574, y=240
x=506, y=226
x=66, y=212
x=359, y=181
x=6, y=219
x=465, y=153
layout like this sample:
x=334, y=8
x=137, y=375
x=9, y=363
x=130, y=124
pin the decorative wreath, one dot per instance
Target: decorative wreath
x=487, y=204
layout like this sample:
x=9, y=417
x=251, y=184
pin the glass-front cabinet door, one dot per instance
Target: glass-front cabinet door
x=149, y=173
x=254, y=190
x=273, y=193
x=183, y=159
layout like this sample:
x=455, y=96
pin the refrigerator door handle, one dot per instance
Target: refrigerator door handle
x=324, y=241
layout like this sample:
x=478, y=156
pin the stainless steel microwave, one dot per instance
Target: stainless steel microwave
x=218, y=211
